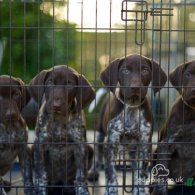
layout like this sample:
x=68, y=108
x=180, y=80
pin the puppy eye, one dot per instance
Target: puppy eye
x=16, y=94
x=125, y=72
x=187, y=75
x=69, y=84
x=49, y=82
x=145, y=71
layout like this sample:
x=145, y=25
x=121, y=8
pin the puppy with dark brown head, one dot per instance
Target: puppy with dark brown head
x=176, y=148
x=60, y=148
x=13, y=129
x=126, y=116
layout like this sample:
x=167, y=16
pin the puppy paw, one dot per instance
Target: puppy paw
x=81, y=188
x=111, y=190
x=39, y=192
x=82, y=191
x=139, y=192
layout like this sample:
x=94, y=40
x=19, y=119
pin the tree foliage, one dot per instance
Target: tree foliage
x=33, y=39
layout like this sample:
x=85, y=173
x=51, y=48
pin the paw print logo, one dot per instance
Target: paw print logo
x=159, y=170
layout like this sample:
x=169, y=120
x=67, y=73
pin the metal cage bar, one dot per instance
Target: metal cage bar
x=86, y=37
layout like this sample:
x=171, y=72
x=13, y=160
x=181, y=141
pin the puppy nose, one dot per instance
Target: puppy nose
x=135, y=84
x=57, y=103
x=11, y=114
x=135, y=88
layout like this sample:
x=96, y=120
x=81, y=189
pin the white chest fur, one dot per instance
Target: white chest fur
x=131, y=123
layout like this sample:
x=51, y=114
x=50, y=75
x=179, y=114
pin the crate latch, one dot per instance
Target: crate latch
x=137, y=11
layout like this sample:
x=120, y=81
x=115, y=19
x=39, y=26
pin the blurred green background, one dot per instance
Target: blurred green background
x=33, y=37
x=33, y=40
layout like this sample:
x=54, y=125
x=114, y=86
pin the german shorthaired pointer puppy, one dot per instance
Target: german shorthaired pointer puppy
x=173, y=150
x=60, y=150
x=126, y=116
x=13, y=130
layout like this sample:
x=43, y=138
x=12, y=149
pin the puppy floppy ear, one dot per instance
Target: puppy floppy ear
x=25, y=92
x=36, y=86
x=176, y=77
x=159, y=77
x=109, y=76
x=85, y=93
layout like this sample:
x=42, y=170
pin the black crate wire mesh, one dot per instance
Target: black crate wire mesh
x=53, y=53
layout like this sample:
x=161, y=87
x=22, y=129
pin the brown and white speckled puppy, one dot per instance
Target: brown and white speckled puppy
x=60, y=149
x=126, y=116
x=176, y=150
x=13, y=129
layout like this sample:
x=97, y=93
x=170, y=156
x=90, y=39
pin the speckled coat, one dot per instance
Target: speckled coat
x=126, y=117
x=13, y=143
x=59, y=152
x=60, y=146
x=131, y=129
x=13, y=131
